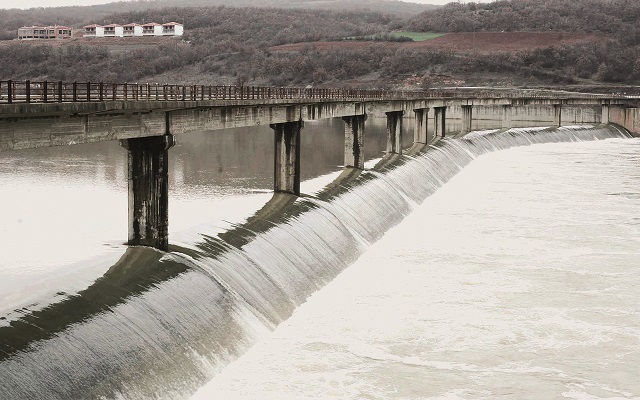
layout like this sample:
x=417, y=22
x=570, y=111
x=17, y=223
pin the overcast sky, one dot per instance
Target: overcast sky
x=55, y=3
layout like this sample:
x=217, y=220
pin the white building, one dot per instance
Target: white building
x=151, y=29
x=172, y=29
x=113, y=30
x=93, y=31
x=133, y=29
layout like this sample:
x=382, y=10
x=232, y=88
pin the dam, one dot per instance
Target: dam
x=161, y=324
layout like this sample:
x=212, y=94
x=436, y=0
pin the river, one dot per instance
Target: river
x=514, y=277
x=518, y=279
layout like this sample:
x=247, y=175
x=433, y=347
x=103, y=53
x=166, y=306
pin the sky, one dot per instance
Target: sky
x=56, y=3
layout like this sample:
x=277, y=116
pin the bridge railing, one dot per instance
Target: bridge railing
x=53, y=92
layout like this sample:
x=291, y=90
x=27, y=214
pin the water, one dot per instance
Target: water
x=517, y=279
x=83, y=314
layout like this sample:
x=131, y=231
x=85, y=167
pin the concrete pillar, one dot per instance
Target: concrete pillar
x=286, y=169
x=420, y=126
x=148, y=182
x=605, y=114
x=507, y=112
x=467, y=118
x=394, y=132
x=354, y=141
x=557, y=114
x=439, y=120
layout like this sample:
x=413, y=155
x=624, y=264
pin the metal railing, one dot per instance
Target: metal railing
x=58, y=92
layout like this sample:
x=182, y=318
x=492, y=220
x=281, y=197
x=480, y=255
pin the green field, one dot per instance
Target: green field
x=418, y=36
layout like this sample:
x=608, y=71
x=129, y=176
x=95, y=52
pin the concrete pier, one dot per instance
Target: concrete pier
x=557, y=115
x=148, y=183
x=420, y=125
x=286, y=169
x=354, y=141
x=467, y=118
x=439, y=120
x=394, y=132
x=507, y=112
x=605, y=114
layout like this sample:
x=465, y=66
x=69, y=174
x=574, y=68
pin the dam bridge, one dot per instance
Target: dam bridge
x=145, y=118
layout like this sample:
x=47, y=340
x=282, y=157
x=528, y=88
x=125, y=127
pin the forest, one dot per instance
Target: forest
x=609, y=16
x=234, y=45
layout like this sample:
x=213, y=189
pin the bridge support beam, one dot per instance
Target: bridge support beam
x=286, y=168
x=420, y=126
x=439, y=121
x=557, y=115
x=507, y=112
x=354, y=141
x=467, y=118
x=394, y=132
x=148, y=182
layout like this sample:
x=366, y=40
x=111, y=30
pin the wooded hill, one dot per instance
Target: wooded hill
x=617, y=17
x=12, y=19
x=230, y=45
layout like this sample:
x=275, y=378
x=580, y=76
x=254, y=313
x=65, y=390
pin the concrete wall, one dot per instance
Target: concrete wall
x=629, y=118
x=491, y=117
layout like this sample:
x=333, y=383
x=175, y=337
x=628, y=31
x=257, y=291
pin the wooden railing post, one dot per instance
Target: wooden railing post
x=88, y=91
x=60, y=92
x=75, y=91
x=9, y=91
x=101, y=89
x=45, y=91
x=27, y=88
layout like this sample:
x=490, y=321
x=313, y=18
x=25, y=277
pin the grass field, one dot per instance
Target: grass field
x=418, y=36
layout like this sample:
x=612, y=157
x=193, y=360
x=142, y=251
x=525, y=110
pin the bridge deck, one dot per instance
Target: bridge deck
x=35, y=114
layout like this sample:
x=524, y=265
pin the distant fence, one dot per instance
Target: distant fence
x=58, y=92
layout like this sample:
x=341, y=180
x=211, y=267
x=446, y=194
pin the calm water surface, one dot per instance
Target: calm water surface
x=63, y=210
x=518, y=279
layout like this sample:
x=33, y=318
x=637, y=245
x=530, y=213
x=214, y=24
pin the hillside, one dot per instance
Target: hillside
x=12, y=19
x=295, y=46
x=476, y=42
x=395, y=7
x=608, y=16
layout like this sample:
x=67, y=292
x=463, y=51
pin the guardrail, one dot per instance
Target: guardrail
x=58, y=92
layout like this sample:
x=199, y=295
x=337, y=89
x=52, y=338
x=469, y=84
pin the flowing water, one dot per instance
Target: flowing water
x=518, y=279
x=471, y=296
